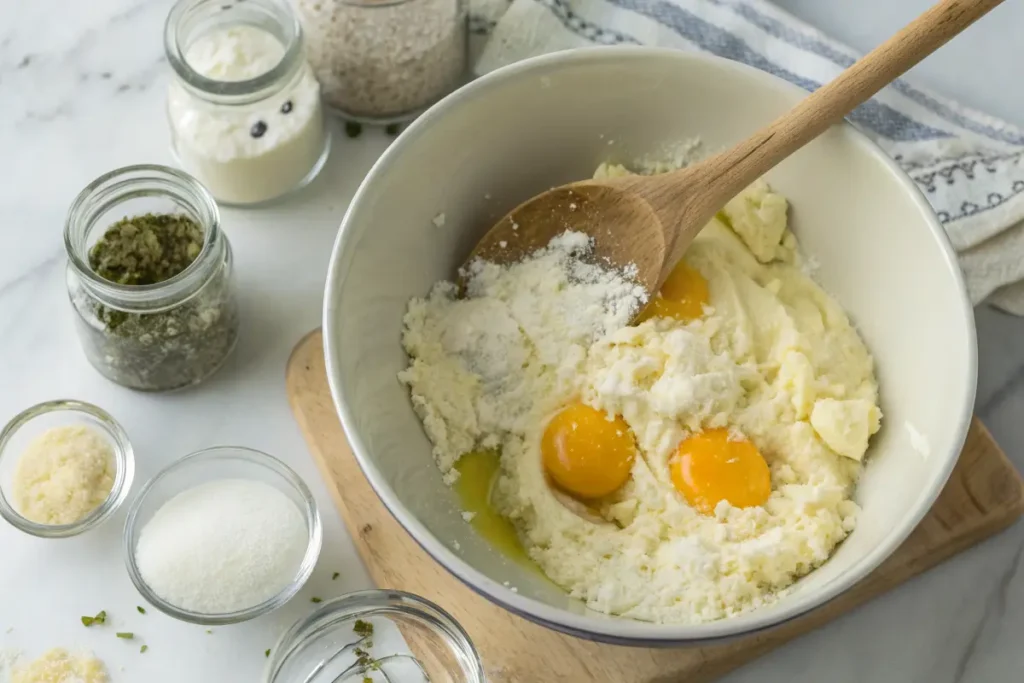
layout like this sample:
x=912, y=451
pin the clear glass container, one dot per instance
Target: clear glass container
x=33, y=422
x=385, y=61
x=243, y=106
x=222, y=462
x=376, y=635
x=161, y=336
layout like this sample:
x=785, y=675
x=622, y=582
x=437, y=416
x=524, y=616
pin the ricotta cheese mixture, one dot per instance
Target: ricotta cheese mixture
x=738, y=412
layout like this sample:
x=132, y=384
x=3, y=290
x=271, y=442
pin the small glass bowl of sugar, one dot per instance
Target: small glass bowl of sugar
x=66, y=467
x=222, y=536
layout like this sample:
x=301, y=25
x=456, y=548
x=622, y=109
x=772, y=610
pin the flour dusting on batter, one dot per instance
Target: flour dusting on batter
x=487, y=365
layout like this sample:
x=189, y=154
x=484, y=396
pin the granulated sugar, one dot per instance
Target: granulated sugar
x=380, y=61
x=484, y=364
x=222, y=546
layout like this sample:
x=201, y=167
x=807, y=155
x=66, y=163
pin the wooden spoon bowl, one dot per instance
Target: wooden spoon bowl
x=625, y=229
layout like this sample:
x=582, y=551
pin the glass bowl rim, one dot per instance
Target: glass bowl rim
x=367, y=603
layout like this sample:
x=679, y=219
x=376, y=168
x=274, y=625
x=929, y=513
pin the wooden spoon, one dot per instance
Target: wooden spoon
x=650, y=221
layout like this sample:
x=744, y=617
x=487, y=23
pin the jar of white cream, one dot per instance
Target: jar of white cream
x=243, y=104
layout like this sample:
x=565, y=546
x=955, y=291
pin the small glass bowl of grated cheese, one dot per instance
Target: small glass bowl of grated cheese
x=381, y=636
x=66, y=466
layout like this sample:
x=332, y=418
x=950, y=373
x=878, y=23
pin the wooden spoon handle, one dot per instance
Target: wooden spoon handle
x=725, y=175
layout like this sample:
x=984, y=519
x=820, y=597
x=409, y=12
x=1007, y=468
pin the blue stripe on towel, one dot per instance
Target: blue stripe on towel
x=875, y=116
x=778, y=29
x=587, y=29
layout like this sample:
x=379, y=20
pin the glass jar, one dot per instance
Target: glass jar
x=376, y=635
x=152, y=337
x=243, y=106
x=385, y=61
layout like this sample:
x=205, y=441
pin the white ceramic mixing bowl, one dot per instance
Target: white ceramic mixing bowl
x=553, y=119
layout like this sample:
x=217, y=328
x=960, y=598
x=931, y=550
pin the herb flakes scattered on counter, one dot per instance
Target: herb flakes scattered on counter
x=353, y=129
x=100, y=618
x=125, y=635
x=141, y=609
x=334, y=577
x=143, y=649
x=266, y=653
x=315, y=600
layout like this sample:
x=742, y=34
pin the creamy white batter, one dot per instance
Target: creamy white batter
x=773, y=359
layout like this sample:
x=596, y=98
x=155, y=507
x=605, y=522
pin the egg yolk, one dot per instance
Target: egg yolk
x=682, y=296
x=587, y=454
x=709, y=468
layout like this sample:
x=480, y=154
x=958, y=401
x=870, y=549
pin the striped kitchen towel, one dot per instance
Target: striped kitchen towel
x=968, y=164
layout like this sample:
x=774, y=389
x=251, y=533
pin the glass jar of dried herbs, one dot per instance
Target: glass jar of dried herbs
x=150, y=277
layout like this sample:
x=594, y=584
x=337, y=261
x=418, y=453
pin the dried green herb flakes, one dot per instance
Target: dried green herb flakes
x=179, y=340
x=146, y=250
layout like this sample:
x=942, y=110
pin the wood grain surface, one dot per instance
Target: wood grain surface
x=983, y=496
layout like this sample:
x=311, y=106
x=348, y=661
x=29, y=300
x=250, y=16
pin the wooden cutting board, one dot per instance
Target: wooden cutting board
x=983, y=496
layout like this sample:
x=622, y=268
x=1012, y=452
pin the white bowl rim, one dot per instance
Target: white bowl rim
x=613, y=629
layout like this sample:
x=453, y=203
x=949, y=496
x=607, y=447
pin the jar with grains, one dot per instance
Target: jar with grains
x=243, y=104
x=150, y=277
x=385, y=61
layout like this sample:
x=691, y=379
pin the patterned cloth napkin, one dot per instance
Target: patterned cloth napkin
x=968, y=164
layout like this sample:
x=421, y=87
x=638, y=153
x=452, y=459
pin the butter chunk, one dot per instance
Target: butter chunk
x=796, y=377
x=758, y=216
x=846, y=426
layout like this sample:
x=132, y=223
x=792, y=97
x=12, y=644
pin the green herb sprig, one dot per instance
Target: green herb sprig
x=100, y=618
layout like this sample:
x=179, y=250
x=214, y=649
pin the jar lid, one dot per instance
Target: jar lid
x=380, y=635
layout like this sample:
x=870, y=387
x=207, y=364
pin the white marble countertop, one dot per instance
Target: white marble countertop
x=81, y=92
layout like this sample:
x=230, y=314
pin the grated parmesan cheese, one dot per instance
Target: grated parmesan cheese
x=63, y=475
x=60, y=666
